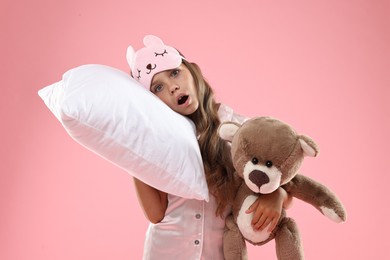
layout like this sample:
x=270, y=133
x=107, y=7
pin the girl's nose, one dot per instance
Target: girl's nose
x=173, y=87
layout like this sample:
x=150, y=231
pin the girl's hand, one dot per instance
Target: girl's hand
x=267, y=209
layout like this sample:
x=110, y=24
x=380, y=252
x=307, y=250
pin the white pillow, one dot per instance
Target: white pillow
x=108, y=112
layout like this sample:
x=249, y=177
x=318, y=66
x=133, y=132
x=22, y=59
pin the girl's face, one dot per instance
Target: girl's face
x=177, y=89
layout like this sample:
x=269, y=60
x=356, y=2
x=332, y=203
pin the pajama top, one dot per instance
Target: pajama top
x=190, y=229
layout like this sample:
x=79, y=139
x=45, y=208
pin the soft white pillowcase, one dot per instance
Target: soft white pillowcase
x=108, y=112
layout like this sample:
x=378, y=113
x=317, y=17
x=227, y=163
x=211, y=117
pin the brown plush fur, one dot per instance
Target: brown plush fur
x=267, y=153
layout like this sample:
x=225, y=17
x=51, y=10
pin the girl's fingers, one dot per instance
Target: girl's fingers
x=273, y=225
x=252, y=208
x=262, y=223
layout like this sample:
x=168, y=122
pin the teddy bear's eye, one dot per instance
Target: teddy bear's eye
x=255, y=160
x=268, y=164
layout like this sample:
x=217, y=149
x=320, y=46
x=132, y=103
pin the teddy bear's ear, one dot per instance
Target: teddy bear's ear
x=309, y=147
x=227, y=130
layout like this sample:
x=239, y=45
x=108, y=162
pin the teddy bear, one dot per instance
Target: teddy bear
x=267, y=154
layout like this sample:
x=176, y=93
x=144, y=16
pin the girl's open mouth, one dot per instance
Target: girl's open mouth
x=182, y=100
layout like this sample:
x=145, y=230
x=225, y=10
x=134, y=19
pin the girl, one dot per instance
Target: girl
x=187, y=228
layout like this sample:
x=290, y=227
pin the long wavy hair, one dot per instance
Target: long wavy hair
x=215, y=151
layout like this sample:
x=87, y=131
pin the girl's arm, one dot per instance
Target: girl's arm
x=154, y=202
x=268, y=209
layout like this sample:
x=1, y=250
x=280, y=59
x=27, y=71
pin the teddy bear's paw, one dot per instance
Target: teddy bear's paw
x=332, y=215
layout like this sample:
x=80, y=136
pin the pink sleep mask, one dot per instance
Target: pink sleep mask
x=153, y=58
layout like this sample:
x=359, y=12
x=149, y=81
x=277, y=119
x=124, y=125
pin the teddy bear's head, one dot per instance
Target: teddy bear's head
x=266, y=152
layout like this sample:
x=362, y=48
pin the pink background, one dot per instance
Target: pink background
x=322, y=66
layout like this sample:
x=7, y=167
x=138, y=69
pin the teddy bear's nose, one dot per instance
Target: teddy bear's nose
x=258, y=178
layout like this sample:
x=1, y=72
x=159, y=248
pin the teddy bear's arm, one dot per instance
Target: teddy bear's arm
x=318, y=195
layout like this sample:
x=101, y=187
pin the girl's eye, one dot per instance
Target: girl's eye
x=158, y=88
x=175, y=72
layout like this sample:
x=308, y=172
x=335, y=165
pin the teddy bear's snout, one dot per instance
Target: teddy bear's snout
x=258, y=178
